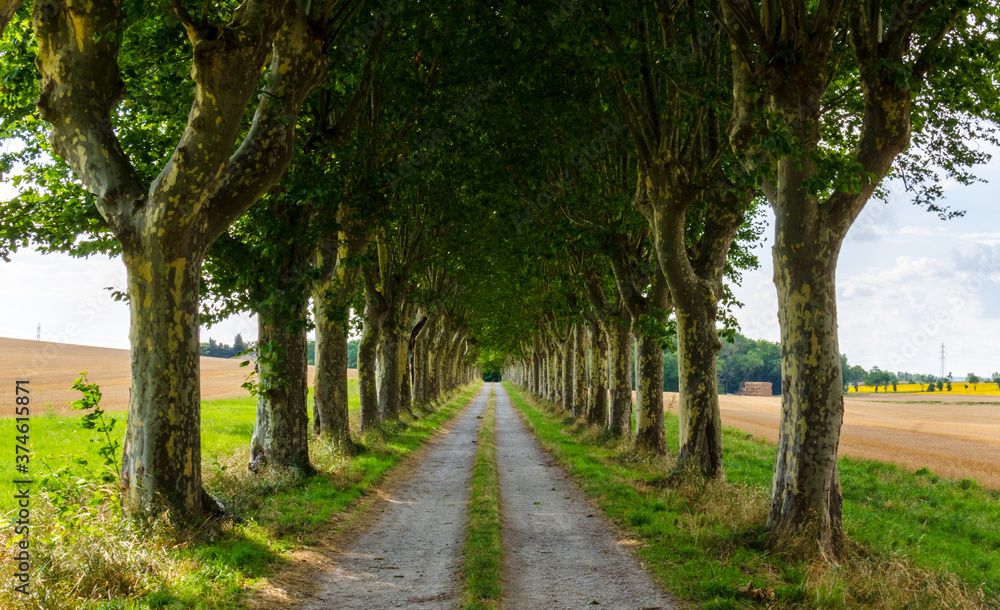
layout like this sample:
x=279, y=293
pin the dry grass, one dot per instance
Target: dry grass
x=92, y=552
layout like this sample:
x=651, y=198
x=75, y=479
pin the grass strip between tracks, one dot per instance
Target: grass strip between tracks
x=483, y=567
x=914, y=539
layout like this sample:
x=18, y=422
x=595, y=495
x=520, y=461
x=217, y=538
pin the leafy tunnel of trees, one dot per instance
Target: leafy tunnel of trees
x=560, y=192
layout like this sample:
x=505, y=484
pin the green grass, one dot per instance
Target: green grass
x=482, y=569
x=58, y=441
x=85, y=555
x=916, y=540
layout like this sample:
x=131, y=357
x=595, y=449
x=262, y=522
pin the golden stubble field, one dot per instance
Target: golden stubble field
x=52, y=367
x=954, y=440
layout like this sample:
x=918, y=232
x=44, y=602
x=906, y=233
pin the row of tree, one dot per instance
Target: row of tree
x=492, y=186
x=212, y=349
x=804, y=106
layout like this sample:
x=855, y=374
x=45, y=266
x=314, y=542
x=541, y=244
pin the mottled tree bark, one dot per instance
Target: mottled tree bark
x=698, y=348
x=810, y=225
x=388, y=382
x=650, y=434
x=567, y=371
x=806, y=484
x=7, y=10
x=696, y=287
x=597, y=408
x=281, y=428
x=330, y=382
x=553, y=377
x=370, y=416
x=580, y=371
x=331, y=292
x=166, y=228
x=163, y=456
x=405, y=368
x=536, y=366
x=619, y=352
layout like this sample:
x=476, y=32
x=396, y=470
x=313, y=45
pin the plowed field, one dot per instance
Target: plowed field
x=52, y=367
x=954, y=440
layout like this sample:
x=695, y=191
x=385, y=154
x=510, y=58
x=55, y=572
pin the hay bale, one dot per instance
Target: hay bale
x=755, y=388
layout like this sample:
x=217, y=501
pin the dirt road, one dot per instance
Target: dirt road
x=954, y=440
x=559, y=551
x=410, y=556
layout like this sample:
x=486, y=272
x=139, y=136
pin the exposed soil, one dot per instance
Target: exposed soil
x=558, y=550
x=408, y=552
x=52, y=367
x=953, y=438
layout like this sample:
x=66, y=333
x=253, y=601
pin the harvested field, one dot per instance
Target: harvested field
x=954, y=440
x=52, y=367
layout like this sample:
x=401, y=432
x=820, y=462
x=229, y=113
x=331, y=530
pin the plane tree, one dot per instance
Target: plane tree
x=164, y=225
x=828, y=98
x=661, y=70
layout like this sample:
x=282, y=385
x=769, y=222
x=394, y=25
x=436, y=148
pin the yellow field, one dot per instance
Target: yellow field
x=52, y=367
x=957, y=387
x=954, y=440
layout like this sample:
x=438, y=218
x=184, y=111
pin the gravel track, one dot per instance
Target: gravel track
x=410, y=556
x=559, y=551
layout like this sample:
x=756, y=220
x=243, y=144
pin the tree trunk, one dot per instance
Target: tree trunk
x=620, y=347
x=806, y=484
x=405, y=387
x=330, y=407
x=281, y=429
x=536, y=363
x=567, y=371
x=650, y=435
x=370, y=417
x=698, y=348
x=553, y=376
x=421, y=366
x=580, y=371
x=597, y=411
x=434, y=363
x=388, y=381
x=161, y=456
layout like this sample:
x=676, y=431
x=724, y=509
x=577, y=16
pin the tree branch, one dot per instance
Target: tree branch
x=80, y=87
x=298, y=64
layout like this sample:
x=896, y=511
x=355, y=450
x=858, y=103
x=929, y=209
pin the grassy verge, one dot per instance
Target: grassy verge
x=916, y=540
x=483, y=566
x=84, y=554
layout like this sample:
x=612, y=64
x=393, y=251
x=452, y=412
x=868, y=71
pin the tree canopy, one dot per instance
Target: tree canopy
x=501, y=186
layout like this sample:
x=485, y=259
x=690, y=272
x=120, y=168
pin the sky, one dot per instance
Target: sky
x=907, y=282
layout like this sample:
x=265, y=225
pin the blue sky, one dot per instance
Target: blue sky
x=906, y=283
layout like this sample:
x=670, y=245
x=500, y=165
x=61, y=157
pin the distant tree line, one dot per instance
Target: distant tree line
x=741, y=359
x=222, y=350
x=856, y=376
x=212, y=349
